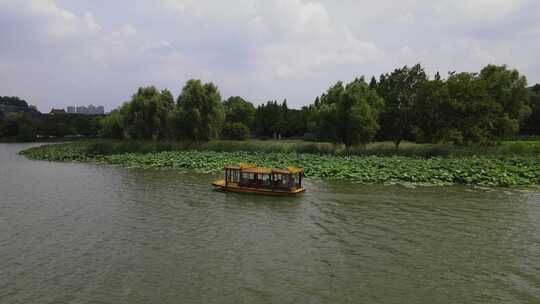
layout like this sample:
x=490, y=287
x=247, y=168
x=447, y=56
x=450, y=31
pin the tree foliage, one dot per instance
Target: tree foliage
x=18, y=126
x=267, y=119
x=470, y=112
x=112, y=126
x=532, y=125
x=28, y=126
x=277, y=120
x=431, y=106
x=399, y=89
x=145, y=116
x=472, y=108
x=508, y=89
x=200, y=114
x=235, y=130
x=464, y=108
x=238, y=110
x=11, y=104
x=349, y=114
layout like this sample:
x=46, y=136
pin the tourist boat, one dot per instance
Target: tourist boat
x=248, y=178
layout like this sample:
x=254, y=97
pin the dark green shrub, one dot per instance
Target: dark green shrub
x=236, y=131
x=100, y=148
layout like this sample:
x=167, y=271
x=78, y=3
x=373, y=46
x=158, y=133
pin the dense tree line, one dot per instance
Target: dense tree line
x=277, y=120
x=532, y=124
x=406, y=104
x=22, y=122
x=24, y=126
x=151, y=114
x=472, y=108
x=464, y=108
x=347, y=114
x=199, y=114
x=11, y=104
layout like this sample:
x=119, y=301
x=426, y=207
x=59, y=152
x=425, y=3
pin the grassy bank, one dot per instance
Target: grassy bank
x=111, y=147
x=496, y=169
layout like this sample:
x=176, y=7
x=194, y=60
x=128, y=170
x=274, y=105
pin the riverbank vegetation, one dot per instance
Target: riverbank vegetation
x=405, y=105
x=402, y=126
x=486, y=170
x=519, y=148
x=464, y=109
x=20, y=122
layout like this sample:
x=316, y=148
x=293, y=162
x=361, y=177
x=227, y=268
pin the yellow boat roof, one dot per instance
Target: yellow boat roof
x=295, y=170
x=281, y=171
x=258, y=170
x=247, y=166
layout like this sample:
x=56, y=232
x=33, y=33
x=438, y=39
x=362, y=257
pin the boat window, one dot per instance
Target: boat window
x=233, y=176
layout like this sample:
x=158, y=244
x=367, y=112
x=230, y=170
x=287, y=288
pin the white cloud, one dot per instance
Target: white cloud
x=61, y=51
x=59, y=23
x=297, y=39
x=177, y=5
x=491, y=9
x=159, y=47
x=406, y=18
x=261, y=49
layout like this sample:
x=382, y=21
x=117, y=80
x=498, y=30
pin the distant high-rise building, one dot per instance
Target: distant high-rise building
x=87, y=110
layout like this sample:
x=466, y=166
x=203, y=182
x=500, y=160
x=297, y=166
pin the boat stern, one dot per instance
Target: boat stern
x=219, y=183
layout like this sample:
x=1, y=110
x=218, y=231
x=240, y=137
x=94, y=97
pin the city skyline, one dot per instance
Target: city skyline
x=87, y=110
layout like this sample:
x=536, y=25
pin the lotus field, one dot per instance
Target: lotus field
x=472, y=170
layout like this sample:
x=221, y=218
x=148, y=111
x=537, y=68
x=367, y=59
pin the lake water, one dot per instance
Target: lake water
x=79, y=233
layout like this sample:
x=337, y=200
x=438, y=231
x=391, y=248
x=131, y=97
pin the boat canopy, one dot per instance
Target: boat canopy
x=247, y=166
x=295, y=170
x=258, y=170
x=251, y=176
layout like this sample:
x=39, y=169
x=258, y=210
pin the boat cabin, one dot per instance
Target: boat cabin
x=250, y=178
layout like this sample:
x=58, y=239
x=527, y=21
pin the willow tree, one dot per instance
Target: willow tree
x=145, y=116
x=112, y=125
x=199, y=112
x=349, y=114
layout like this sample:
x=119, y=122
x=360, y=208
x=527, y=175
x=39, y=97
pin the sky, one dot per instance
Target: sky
x=79, y=52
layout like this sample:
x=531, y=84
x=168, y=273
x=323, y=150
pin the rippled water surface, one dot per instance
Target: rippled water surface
x=79, y=233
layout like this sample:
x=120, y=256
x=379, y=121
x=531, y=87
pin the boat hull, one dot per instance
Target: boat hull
x=233, y=187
